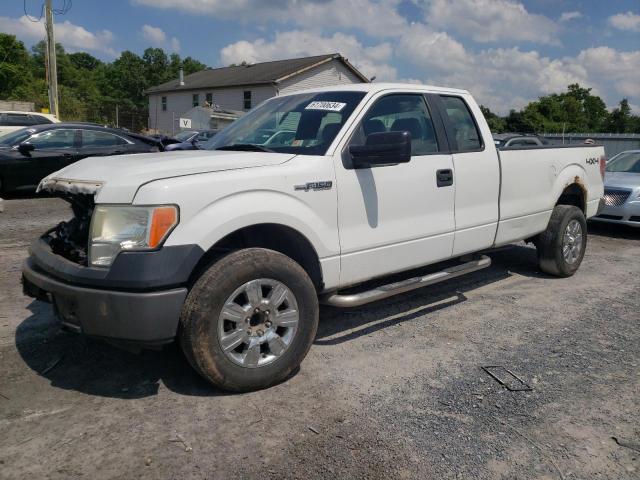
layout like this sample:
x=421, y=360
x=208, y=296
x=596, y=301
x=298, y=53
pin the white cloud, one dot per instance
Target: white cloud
x=175, y=45
x=369, y=60
x=378, y=18
x=73, y=37
x=491, y=21
x=568, y=16
x=506, y=78
x=626, y=21
x=156, y=37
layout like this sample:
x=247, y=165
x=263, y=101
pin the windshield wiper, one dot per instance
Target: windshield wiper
x=245, y=147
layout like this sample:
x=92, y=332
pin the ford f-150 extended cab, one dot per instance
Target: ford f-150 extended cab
x=231, y=249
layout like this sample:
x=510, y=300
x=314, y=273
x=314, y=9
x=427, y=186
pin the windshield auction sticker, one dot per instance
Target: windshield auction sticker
x=327, y=106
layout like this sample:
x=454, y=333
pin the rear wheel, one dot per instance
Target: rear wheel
x=249, y=320
x=562, y=245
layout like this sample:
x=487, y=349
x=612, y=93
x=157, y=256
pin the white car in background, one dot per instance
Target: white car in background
x=12, y=120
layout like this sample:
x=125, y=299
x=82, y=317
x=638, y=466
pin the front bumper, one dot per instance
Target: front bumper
x=138, y=299
x=143, y=317
x=626, y=214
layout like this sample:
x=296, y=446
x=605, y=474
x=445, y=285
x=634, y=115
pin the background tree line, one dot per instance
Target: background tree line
x=90, y=90
x=573, y=111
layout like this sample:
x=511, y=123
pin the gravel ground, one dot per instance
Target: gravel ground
x=390, y=390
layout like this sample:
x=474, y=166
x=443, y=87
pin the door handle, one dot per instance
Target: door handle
x=66, y=154
x=444, y=178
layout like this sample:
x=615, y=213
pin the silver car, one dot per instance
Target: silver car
x=622, y=190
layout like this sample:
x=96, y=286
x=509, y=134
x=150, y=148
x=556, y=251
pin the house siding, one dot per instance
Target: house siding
x=180, y=102
x=330, y=73
x=333, y=72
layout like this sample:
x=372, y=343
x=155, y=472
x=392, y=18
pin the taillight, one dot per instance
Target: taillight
x=603, y=165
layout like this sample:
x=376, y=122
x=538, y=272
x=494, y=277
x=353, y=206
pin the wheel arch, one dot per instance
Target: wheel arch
x=571, y=188
x=273, y=236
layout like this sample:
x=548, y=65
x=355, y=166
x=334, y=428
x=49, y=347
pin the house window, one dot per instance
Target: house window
x=195, y=100
x=210, y=98
x=247, y=99
x=164, y=104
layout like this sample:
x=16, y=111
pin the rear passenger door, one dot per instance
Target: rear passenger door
x=396, y=217
x=477, y=172
x=96, y=143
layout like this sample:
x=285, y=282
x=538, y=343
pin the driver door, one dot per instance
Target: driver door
x=396, y=217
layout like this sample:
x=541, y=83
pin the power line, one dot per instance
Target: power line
x=29, y=17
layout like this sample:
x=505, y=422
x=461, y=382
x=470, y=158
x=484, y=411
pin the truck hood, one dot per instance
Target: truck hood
x=118, y=177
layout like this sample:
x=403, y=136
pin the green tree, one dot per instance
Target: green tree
x=496, y=123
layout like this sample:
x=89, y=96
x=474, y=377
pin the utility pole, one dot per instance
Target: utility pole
x=51, y=61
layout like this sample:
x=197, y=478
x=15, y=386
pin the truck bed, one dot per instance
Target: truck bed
x=529, y=173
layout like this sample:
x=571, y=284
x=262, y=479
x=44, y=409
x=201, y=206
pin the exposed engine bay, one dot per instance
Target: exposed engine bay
x=70, y=239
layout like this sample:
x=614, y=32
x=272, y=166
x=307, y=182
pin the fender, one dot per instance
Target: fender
x=570, y=175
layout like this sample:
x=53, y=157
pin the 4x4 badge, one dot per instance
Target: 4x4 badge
x=326, y=185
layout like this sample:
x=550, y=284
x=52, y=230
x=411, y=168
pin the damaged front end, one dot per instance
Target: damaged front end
x=70, y=239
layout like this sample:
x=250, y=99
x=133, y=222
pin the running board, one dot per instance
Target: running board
x=355, y=300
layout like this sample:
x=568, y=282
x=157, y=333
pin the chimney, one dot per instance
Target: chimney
x=181, y=77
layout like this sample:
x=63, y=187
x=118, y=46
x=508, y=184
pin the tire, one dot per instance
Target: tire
x=235, y=301
x=560, y=250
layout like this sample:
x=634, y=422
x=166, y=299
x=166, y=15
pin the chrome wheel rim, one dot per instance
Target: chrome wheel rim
x=572, y=242
x=258, y=323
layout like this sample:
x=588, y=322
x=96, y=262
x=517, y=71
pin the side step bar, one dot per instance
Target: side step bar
x=355, y=300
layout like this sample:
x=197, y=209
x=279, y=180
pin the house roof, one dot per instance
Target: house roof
x=251, y=74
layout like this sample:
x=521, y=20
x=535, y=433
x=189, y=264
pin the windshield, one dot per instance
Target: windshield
x=304, y=124
x=14, y=138
x=625, y=162
x=184, y=136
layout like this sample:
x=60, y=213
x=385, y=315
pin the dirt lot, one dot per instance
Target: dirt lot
x=390, y=390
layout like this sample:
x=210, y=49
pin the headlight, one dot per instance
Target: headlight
x=116, y=228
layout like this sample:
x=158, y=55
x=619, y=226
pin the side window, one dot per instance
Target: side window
x=195, y=100
x=16, y=120
x=164, y=104
x=461, y=121
x=401, y=112
x=95, y=138
x=59, y=138
x=39, y=120
x=246, y=99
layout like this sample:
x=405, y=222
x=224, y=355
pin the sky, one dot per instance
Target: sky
x=505, y=52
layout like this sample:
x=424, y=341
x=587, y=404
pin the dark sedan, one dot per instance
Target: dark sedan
x=30, y=154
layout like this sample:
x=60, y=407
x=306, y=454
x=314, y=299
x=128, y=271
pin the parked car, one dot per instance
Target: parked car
x=622, y=190
x=190, y=139
x=11, y=121
x=231, y=250
x=30, y=154
x=505, y=140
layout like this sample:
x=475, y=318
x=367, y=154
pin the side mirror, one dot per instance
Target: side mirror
x=383, y=148
x=26, y=148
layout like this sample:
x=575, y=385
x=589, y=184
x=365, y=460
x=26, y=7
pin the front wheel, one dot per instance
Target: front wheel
x=562, y=245
x=249, y=320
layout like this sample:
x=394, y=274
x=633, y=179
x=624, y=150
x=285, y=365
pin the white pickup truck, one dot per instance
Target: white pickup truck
x=232, y=248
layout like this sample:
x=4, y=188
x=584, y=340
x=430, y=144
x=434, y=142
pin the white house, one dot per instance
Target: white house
x=241, y=87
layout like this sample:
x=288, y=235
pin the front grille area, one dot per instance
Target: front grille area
x=635, y=218
x=614, y=197
x=71, y=239
x=610, y=217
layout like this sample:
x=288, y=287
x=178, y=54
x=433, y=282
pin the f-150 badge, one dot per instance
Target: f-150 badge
x=326, y=185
